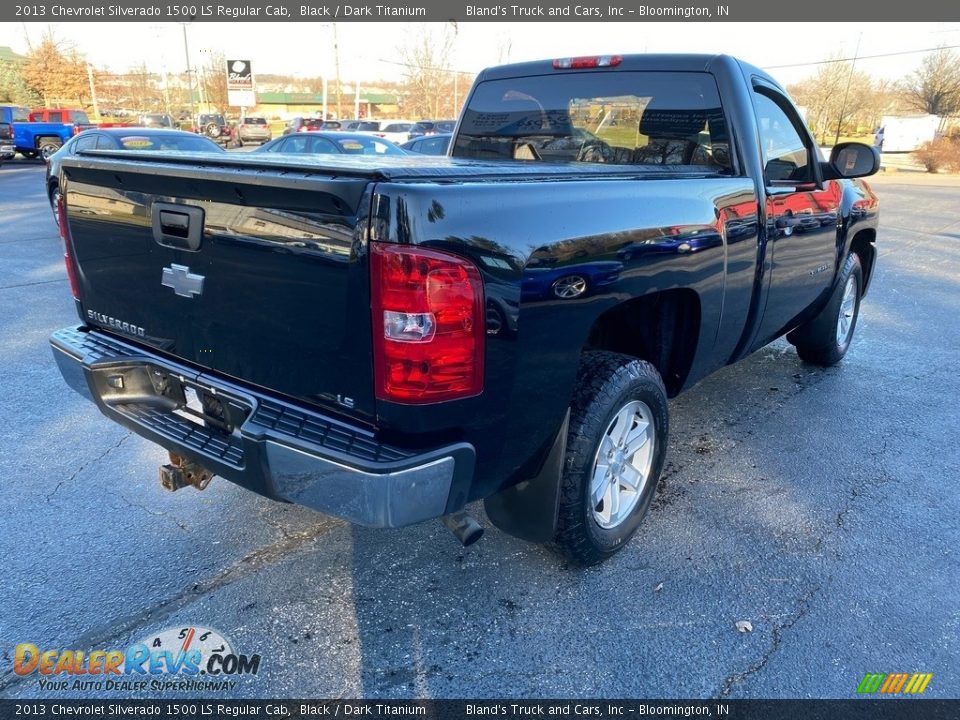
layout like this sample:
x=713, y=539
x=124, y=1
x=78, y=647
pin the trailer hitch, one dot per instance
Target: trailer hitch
x=182, y=472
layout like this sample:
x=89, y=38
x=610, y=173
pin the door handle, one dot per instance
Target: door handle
x=177, y=226
x=174, y=223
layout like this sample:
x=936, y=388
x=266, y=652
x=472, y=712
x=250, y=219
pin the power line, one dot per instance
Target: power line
x=426, y=67
x=862, y=57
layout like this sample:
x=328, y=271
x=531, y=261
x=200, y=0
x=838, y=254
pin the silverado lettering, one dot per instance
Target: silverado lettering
x=388, y=339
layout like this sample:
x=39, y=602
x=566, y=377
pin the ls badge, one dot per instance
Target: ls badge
x=183, y=282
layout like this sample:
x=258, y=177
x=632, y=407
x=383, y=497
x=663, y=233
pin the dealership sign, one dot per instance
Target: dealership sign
x=240, y=84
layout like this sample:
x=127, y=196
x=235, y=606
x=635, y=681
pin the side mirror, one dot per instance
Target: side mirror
x=852, y=160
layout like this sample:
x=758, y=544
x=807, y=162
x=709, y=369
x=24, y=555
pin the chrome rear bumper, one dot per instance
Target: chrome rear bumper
x=268, y=445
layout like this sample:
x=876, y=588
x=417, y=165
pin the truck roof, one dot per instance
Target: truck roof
x=652, y=62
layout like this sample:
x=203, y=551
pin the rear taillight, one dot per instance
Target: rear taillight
x=428, y=325
x=67, y=247
x=76, y=130
x=593, y=61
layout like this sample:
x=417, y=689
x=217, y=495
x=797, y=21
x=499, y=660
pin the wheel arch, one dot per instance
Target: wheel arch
x=661, y=327
x=39, y=140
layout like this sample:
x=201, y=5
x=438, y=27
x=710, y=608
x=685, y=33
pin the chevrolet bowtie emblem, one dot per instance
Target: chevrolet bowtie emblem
x=183, y=282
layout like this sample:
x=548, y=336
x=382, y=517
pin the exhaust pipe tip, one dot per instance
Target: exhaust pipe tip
x=464, y=527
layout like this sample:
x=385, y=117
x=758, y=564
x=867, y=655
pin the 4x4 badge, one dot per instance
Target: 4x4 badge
x=183, y=282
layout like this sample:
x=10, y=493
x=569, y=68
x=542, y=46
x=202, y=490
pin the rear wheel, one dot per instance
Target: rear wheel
x=825, y=339
x=48, y=148
x=54, y=202
x=212, y=130
x=570, y=286
x=615, y=451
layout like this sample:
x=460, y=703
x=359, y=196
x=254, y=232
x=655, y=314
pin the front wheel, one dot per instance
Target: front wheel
x=825, y=339
x=615, y=451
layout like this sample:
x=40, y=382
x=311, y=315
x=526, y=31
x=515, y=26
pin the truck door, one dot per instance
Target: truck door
x=801, y=213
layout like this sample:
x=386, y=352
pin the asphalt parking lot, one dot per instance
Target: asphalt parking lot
x=819, y=505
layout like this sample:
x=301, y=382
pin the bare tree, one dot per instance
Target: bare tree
x=428, y=86
x=214, y=78
x=141, y=87
x=935, y=87
x=823, y=97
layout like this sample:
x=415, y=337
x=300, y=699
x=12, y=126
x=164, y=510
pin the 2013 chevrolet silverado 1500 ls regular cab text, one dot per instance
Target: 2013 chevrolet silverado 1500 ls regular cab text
x=388, y=339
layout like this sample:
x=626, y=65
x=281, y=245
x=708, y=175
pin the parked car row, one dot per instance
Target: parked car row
x=331, y=143
x=396, y=131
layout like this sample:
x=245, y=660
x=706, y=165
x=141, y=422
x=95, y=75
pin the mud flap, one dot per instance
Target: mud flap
x=528, y=510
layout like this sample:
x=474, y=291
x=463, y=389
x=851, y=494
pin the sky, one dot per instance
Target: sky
x=371, y=51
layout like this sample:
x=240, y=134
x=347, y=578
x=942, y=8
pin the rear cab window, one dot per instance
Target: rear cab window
x=615, y=118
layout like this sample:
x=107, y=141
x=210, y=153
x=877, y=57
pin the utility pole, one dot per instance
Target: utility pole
x=93, y=92
x=186, y=50
x=336, y=60
x=324, y=97
x=456, y=93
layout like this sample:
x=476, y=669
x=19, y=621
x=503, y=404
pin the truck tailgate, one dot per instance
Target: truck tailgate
x=253, y=273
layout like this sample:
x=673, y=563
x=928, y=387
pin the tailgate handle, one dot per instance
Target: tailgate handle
x=178, y=226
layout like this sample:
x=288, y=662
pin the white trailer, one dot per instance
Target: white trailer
x=906, y=134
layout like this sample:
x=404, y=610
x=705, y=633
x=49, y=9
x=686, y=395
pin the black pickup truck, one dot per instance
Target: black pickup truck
x=388, y=339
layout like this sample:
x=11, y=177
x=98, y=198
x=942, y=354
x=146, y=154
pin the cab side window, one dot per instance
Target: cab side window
x=786, y=157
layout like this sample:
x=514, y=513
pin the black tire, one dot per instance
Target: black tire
x=54, y=196
x=819, y=341
x=212, y=130
x=48, y=148
x=606, y=384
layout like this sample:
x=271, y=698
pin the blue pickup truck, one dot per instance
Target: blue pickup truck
x=42, y=139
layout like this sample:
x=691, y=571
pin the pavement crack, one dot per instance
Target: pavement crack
x=85, y=466
x=31, y=284
x=805, y=603
x=150, y=511
x=803, y=607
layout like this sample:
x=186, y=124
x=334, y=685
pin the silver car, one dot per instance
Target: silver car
x=254, y=129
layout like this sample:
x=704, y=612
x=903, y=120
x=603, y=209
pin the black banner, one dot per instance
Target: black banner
x=478, y=10
x=887, y=709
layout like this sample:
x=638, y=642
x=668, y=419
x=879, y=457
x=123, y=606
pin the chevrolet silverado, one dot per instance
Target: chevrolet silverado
x=388, y=339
